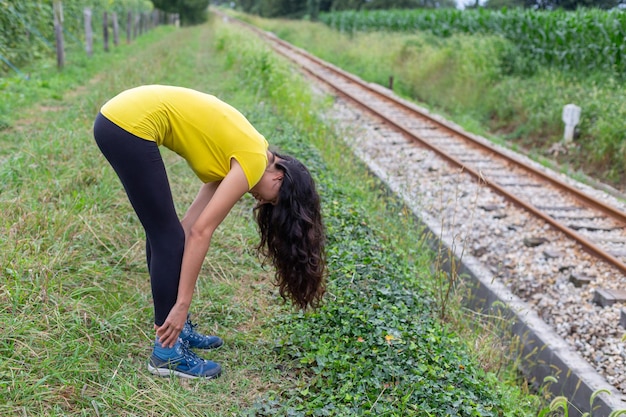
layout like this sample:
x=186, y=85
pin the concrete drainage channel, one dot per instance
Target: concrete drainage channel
x=541, y=351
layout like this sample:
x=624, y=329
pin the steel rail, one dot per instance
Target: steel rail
x=586, y=243
x=583, y=198
x=577, y=194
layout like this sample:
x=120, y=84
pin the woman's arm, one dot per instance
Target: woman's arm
x=199, y=203
x=197, y=243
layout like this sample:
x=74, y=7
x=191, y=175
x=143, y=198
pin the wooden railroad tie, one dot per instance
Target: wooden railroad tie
x=607, y=297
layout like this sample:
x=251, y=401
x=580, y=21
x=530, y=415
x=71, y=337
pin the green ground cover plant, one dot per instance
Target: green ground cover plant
x=475, y=80
x=376, y=347
x=75, y=299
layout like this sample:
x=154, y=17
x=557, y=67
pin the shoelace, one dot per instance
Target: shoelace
x=190, y=355
x=191, y=324
x=192, y=333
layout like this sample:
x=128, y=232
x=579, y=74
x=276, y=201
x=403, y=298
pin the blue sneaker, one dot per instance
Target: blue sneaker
x=197, y=340
x=182, y=362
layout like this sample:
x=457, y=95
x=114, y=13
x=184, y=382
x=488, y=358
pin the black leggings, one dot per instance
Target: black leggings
x=139, y=166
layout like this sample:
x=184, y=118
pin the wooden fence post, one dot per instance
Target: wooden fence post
x=129, y=24
x=116, y=30
x=58, y=32
x=136, y=20
x=105, y=30
x=88, y=31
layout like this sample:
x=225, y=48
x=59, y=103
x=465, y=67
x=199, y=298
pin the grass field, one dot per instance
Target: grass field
x=75, y=305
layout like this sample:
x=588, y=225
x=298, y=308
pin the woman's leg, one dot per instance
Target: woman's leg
x=139, y=166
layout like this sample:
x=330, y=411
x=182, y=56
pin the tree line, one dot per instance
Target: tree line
x=550, y=4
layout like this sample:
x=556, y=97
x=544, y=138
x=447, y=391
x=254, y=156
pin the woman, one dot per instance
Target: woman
x=231, y=158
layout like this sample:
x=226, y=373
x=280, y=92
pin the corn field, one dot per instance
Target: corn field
x=584, y=41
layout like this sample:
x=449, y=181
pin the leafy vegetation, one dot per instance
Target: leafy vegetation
x=27, y=34
x=584, y=41
x=548, y=4
x=74, y=298
x=376, y=348
x=191, y=12
x=311, y=9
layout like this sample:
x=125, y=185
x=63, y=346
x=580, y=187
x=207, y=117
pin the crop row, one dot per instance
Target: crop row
x=587, y=40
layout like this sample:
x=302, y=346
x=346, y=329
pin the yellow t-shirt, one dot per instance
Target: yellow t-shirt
x=202, y=129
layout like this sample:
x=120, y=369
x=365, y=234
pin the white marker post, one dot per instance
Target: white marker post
x=571, y=117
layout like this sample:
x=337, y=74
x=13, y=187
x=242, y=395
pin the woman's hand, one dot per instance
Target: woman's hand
x=170, y=330
x=212, y=205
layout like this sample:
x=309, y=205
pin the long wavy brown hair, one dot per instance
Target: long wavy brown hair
x=293, y=236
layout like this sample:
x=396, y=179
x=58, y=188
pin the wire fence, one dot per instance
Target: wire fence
x=34, y=30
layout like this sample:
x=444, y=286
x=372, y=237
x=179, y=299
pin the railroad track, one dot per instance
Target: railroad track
x=598, y=227
x=595, y=225
x=586, y=318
